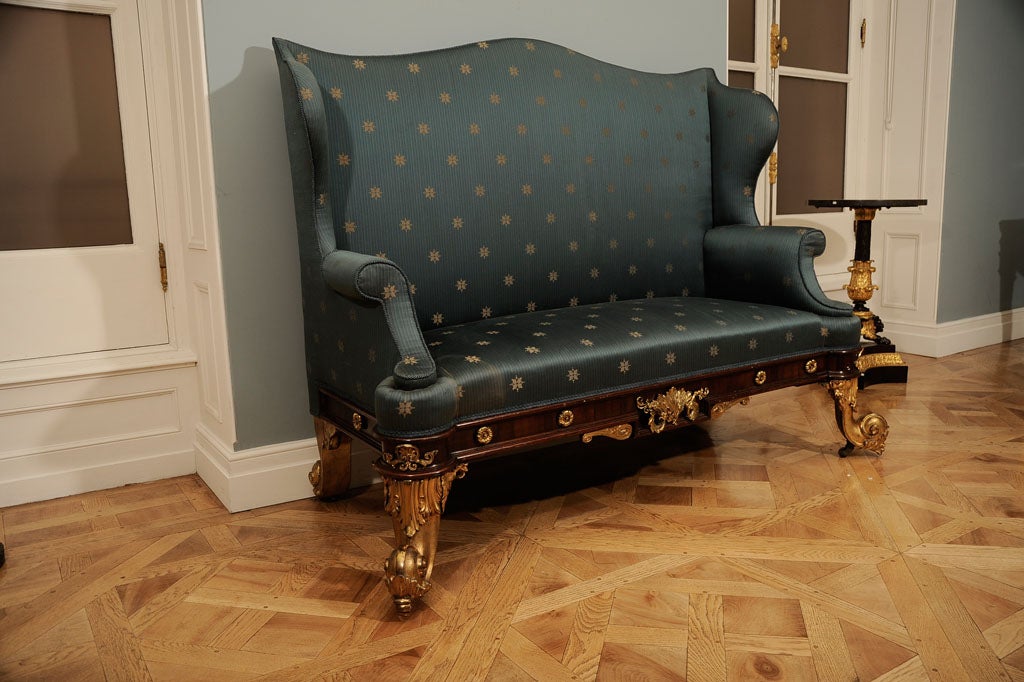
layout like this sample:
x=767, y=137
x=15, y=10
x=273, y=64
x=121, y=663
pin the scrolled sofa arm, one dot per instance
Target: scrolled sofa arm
x=366, y=279
x=772, y=265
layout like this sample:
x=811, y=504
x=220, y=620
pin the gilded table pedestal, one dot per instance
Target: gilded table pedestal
x=879, y=361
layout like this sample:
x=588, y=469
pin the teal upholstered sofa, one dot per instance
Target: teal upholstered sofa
x=507, y=243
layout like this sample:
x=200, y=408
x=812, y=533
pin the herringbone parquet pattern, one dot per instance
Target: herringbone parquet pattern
x=744, y=549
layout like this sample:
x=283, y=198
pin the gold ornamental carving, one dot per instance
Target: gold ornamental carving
x=718, y=409
x=873, y=360
x=357, y=421
x=407, y=457
x=868, y=432
x=760, y=377
x=619, y=432
x=811, y=367
x=669, y=406
x=411, y=502
x=860, y=288
x=565, y=418
x=484, y=435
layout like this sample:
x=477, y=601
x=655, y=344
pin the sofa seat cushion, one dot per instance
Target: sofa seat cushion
x=536, y=358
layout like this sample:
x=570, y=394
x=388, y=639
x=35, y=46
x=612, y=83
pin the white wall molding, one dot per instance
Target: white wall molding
x=189, y=127
x=75, y=434
x=939, y=340
x=52, y=483
x=271, y=474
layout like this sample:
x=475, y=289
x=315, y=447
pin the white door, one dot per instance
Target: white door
x=79, y=269
x=807, y=55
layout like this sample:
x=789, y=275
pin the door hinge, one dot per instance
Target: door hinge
x=776, y=45
x=773, y=168
x=163, y=266
x=863, y=33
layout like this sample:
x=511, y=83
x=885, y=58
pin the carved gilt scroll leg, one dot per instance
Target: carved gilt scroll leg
x=868, y=432
x=331, y=474
x=415, y=506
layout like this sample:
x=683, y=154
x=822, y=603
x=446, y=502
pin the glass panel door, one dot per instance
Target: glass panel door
x=62, y=176
x=812, y=99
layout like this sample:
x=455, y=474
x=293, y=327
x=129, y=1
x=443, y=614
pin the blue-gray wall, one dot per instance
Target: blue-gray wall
x=254, y=203
x=982, y=262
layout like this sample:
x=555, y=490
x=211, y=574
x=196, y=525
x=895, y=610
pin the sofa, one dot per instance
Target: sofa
x=508, y=244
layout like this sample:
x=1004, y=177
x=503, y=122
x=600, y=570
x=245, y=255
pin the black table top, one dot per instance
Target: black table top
x=866, y=203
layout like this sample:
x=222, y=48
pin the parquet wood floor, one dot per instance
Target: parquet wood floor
x=743, y=549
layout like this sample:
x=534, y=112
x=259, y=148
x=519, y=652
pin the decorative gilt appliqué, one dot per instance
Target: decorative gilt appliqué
x=407, y=457
x=669, y=406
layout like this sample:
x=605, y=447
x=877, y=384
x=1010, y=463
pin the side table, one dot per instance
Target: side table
x=879, y=361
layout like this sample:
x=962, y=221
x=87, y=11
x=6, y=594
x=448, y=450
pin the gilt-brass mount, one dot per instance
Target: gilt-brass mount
x=565, y=418
x=669, y=406
x=619, y=432
x=760, y=377
x=407, y=457
x=484, y=435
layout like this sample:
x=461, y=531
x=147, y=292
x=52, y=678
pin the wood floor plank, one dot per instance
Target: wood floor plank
x=273, y=602
x=483, y=643
x=828, y=648
x=937, y=653
x=440, y=658
x=705, y=644
x=116, y=642
x=974, y=651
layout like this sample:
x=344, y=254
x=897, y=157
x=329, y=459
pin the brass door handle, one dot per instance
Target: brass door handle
x=777, y=45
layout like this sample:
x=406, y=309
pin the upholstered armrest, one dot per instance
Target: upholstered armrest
x=773, y=265
x=365, y=279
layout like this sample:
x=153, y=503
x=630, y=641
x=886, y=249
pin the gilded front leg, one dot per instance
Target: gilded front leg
x=332, y=472
x=869, y=432
x=415, y=506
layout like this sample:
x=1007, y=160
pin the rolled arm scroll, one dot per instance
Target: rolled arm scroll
x=773, y=265
x=365, y=279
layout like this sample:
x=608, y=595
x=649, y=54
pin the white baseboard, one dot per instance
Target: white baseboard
x=947, y=338
x=267, y=475
x=48, y=485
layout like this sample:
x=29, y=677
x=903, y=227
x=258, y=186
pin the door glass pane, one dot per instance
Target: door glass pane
x=741, y=79
x=741, y=30
x=818, y=32
x=62, y=177
x=812, y=142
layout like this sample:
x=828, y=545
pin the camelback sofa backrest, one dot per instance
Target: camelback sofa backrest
x=518, y=175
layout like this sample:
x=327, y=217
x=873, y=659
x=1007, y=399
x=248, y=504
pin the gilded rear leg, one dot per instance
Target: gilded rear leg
x=332, y=473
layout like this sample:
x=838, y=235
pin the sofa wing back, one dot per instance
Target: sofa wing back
x=510, y=176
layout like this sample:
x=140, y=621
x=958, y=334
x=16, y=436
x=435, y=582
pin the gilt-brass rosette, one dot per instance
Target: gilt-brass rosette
x=669, y=406
x=760, y=377
x=484, y=435
x=565, y=418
